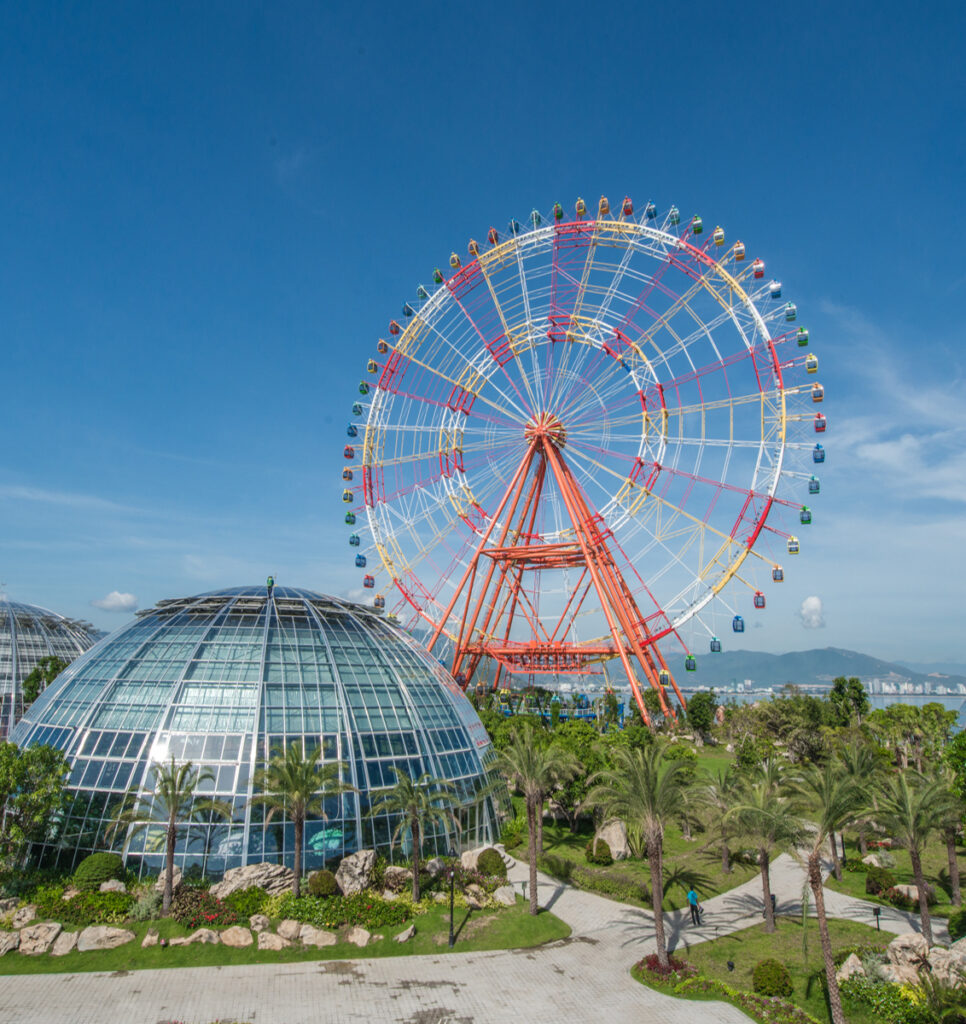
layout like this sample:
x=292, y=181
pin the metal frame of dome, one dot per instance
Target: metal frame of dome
x=29, y=633
x=225, y=679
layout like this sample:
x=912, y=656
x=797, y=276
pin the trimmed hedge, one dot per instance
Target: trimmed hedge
x=491, y=863
x=322, y=883
x=98, y=868
x=86, y=908
x=877, y=880
x=772, y=978
x=598, y=852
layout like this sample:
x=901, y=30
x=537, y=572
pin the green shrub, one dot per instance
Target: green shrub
x=559, y=867
x=771, y=978
x=957, y=925
x=322, y=883
x=86, y=908
x=361, y=908
x=877, y=880
x=620, y=887
x=98, y=868
x=855, y=865
x=197, y=908
x=889, y=1003
x=598, y=852
x=491, y=863
x=377, y=879
x=147, y=906
x=246, y=902
x=861, y=950
x=513, y=832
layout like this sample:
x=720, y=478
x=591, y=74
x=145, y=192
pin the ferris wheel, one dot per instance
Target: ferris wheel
x=589, y=441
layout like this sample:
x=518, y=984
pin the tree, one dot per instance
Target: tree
x=40, y=677
x=849, y=700
x=910, y=808
x=717, y=796
x=951, y=826
x=764, y=815
x=863, y=764
x=646, y=791
x=831, y=799
x=32, y=794
x=582, y=741
x=173, y=805
x=296, y=785
x=534, y=770
x=701, y=709
x=419, y=803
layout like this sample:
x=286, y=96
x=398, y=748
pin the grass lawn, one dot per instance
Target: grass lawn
x=685, y=863
x=748, y=947
x=512, y=928
x=934, y=863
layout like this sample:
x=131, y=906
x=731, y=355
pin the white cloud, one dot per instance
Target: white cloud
x=116, y=602
x=812, y=613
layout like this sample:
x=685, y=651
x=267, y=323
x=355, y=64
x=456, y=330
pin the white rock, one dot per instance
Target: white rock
x=406, y=934
x=271, y=941
x=397, y=879
x=259, y=922
x=102, y=936
x=470, y=858
x=436, y=866
x=614, y=833
x=850, y=969
x=355, y=871
x=175, y=881
x=24, y=916
x=289, y=929
x=897, y=974
x=948, y=965
x=65, y=943
x=273, y=878
x=388, y=894
x=38, y=938
x=908, y=950
x=358, y=936
x=872, y=860
x=236, y=937
x=113, y=885
x=203, y=935
x=318, y=937
x=151, y=938
x=505, y=896
x=9, y=941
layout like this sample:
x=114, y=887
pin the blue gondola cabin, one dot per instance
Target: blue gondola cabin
x=351, y=430
x=738, y=624
x=360, y=561
x=818, y=453
x=715, y=645
x=354, y=540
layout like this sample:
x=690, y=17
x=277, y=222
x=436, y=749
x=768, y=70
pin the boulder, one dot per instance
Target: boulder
x=65, y=943
x=505, y=896
x=9, y=941
x=70, y=892
x=289, y=929
x=388, y=894
x=850, y=969
x=102, y=936
x=271, y=941
x=355, y=871
x=236, y=937
x=38, y=938
x=396, y=879
x=150, y=938
x=406, y=934
x=203, y=935
x=357, y=936
x=309, y=935
x=8, y=903
x=948, y=965
x=911, y=892
x=175, y=882
x=273, y=878
x=441, y=897
x=113, y=885
x=614, y=834
x=898, y=975
x=470, y=858
x=24, y=916
x=908, y=950
x=435, y=866
x=872, y=860
x=259, y=922
x=959, y=945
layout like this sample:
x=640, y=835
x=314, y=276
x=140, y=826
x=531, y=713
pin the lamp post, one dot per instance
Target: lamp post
x=452, y=882
x=877, y=910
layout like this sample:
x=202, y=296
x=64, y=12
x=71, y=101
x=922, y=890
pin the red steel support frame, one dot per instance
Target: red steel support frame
x=501, y=595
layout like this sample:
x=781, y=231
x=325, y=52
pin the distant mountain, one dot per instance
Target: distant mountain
x=803, y=668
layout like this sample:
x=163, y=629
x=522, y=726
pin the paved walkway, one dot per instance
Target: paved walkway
x=581, y=979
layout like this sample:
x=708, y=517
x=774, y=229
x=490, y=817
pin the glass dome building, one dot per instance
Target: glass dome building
x=229, y=678
x=27, y=635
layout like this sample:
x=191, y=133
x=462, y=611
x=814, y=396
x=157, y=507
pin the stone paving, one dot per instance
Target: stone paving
x=583, y=978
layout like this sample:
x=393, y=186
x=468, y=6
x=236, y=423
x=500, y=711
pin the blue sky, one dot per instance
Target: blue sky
x=210, y=212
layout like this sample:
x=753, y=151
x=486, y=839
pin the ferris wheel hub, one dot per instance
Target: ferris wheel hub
x=545, y=427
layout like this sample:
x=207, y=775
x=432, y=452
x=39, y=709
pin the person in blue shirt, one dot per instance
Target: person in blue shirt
x=695, y=906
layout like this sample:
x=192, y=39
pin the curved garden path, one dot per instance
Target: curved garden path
x=583, y=978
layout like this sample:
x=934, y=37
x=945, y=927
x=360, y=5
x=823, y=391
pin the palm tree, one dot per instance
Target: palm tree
x=764, y=815
x=296, y=785
x=951, y=827
x=646, y=791
x=831, y=799
x=911, y=808
x=419, y=802
x=861, y=763
x=716, y=796
x=535, y=770
x=172, y=806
